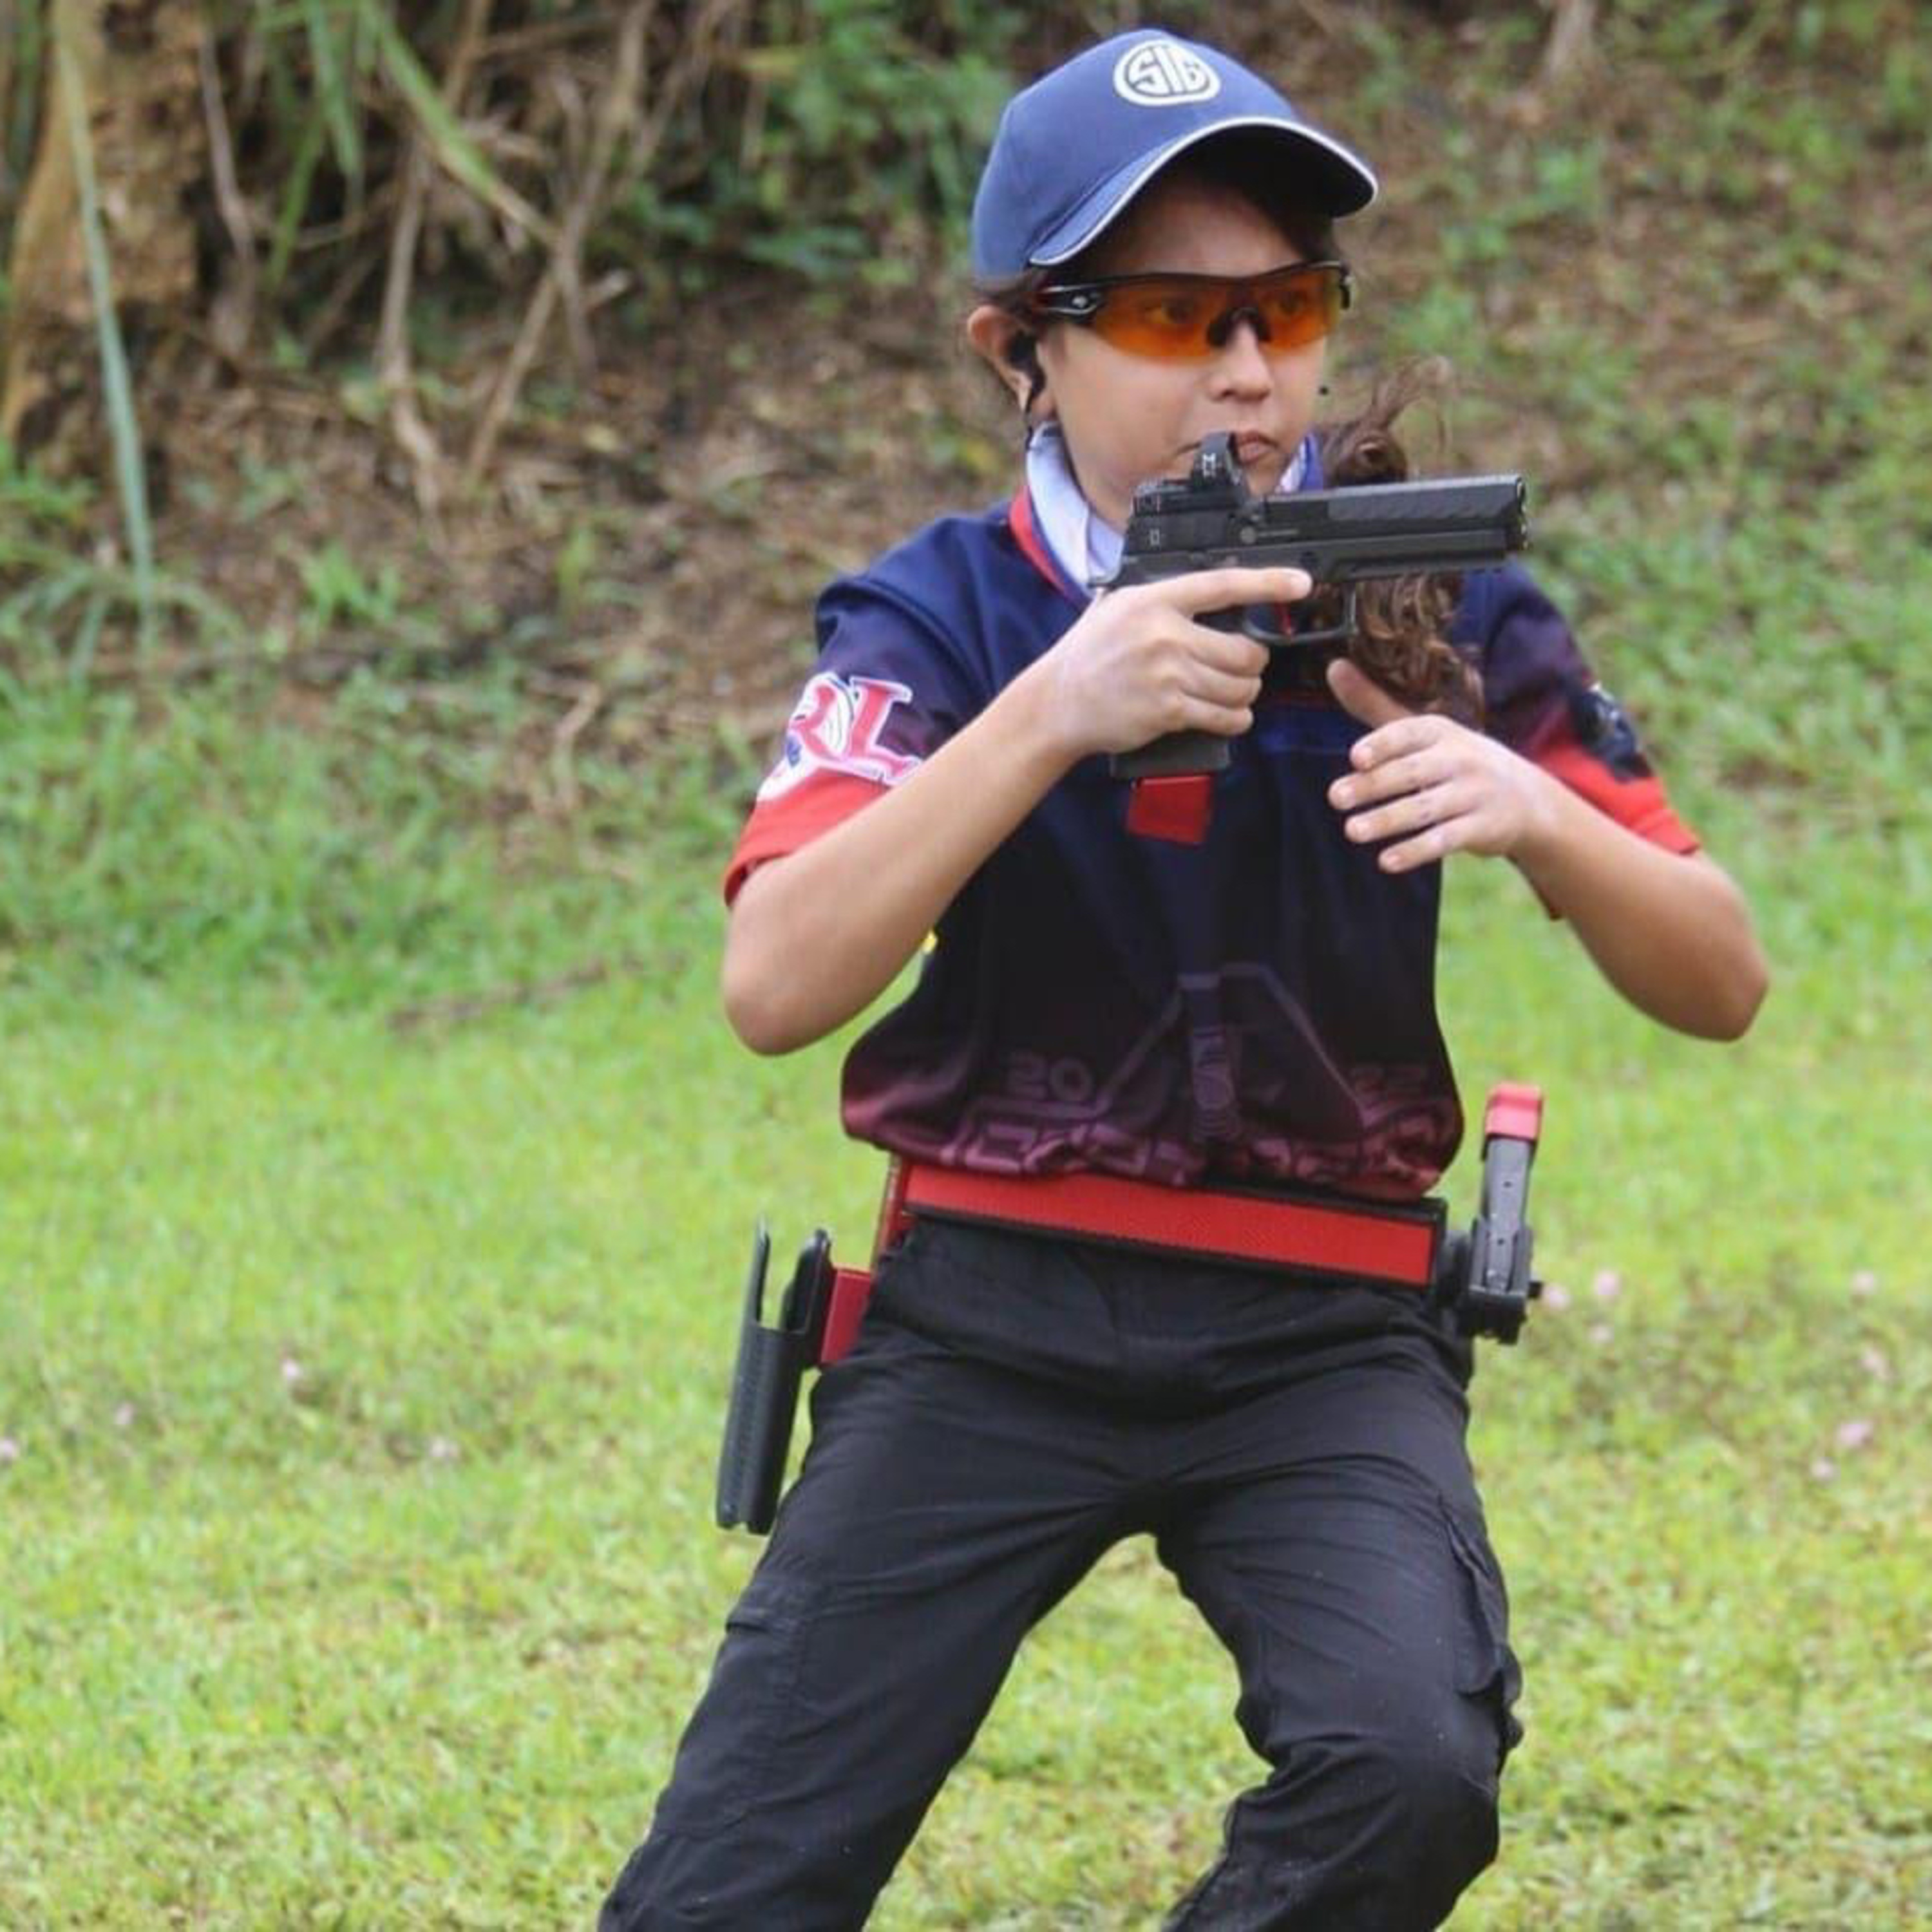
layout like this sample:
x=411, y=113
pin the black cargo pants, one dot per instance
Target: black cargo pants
x=1014, y=1405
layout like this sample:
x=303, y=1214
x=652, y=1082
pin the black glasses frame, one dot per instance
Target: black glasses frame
x=1081, y=301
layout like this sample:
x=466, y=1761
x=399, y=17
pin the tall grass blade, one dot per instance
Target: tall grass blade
x=116, y=384
x=456, y=154
x=24, y=21
x=332, y=87
x=87, y=639
x=294, y=200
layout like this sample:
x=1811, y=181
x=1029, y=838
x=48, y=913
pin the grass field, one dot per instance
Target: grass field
x=376, y=1176
x=365, y=1345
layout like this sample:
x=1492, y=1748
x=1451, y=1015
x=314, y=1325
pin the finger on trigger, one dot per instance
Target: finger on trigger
x=1237, y=586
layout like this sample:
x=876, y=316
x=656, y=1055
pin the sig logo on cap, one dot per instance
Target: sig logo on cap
x=1164, y=73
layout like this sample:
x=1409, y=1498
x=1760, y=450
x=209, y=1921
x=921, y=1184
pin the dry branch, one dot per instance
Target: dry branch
x=1570, y=49
x=616, y=108
x=417, y=439
x=233, y=322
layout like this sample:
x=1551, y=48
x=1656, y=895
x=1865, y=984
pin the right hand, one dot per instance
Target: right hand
x=1137, y=666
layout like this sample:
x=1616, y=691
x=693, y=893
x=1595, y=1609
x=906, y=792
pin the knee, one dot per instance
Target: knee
x=1428, y=1761
x=1449, y=1768
x=1376, y=1831
x=1427, y=1793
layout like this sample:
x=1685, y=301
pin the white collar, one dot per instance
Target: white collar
x=1087, y=546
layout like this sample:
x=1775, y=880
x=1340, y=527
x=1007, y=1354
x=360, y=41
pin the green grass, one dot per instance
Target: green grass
x=196, y=838
x=364, y=1384
x=376, y=1171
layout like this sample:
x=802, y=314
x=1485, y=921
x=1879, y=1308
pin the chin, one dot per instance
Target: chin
x=1264, y=477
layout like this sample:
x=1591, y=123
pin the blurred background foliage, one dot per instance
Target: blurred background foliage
x=799, y=132
x=813, y=135
x=513, y=371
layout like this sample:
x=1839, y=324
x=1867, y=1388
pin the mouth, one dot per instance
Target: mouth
x=1251, y=446
x=1253, y=449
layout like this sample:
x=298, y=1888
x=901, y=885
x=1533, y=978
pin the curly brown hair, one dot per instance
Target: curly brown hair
x=1402, y=623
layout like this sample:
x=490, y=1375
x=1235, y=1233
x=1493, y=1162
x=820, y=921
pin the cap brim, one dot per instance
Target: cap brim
x=1345, y=183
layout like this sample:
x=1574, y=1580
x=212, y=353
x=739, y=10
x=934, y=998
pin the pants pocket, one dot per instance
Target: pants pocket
x=729, y=1747
x=1486, y=1667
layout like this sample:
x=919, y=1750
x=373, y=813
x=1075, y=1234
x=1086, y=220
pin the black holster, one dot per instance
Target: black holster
x=772, y=1358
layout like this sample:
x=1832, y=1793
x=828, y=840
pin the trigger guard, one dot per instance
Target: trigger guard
x=1251, y=626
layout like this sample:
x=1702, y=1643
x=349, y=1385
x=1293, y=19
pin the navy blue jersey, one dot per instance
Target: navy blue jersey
x=1259, y=1006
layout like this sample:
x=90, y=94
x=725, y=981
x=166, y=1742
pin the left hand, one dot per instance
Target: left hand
x=1433, y=784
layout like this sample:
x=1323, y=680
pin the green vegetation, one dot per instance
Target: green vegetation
x=366, y=1345
x=376, y=1172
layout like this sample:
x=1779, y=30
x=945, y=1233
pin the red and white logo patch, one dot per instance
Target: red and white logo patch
x=835, y=727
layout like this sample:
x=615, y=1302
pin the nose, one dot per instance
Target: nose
x=1239, y=368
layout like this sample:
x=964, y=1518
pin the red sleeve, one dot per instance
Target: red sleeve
x=1638, y=803
x=784, y=824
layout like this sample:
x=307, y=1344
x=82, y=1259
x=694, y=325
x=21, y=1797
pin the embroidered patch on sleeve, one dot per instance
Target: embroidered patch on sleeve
x=836, y=727
x=1604, y=728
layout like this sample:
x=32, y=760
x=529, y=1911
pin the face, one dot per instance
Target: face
x=1126, y=418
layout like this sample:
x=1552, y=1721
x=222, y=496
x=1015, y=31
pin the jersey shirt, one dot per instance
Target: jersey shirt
x=1258, y=1006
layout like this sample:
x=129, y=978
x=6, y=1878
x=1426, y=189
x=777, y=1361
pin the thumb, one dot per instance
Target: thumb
x=1362, y=698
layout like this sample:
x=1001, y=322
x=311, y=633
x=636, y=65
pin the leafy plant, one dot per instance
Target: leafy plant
x=815, y=147
x=340, y=592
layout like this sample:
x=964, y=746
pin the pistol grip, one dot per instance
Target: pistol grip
x=1180, y=754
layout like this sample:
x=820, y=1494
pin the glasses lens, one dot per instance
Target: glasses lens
x=1174, y=319
x=1169, y=319
x=1300, y=306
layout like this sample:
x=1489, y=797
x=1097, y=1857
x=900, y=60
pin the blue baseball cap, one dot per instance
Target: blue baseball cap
x=1075, y=148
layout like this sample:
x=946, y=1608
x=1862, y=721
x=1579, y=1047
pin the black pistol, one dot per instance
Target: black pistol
x=764, y=1385
x=1212, y=519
